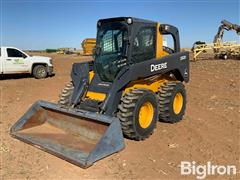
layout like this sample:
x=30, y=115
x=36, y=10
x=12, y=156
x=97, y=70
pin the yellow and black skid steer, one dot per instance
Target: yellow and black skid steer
x=133, y=82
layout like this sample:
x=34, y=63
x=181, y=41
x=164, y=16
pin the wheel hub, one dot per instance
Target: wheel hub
x=41, y=72
x=178, y=103
x=146, y=113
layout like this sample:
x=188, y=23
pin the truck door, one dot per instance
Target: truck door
x=15, y=61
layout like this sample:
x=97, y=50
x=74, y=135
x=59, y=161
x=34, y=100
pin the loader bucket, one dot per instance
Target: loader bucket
x=78, y=136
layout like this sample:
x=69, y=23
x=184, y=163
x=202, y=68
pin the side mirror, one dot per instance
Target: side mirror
x=24, y=56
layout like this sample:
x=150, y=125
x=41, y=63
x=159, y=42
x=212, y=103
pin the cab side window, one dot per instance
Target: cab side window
x=15, y=53
x=144, y=44
x=168, y=44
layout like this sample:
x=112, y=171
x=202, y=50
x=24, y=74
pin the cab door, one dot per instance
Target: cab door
x=15, y=61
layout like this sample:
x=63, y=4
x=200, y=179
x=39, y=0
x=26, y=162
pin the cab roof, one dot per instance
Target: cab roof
x=136, y=20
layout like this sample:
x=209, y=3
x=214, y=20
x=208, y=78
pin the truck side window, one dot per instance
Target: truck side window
x=0, y=52
x=144, y=44
x=15, y=53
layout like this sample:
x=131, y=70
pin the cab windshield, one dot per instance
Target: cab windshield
x=111, y=38
x=110, y=49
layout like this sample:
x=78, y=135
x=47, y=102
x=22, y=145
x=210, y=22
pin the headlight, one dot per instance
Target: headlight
x=166, y=27
x=129, y=20
x=50, y=61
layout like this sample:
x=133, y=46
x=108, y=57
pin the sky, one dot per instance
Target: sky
x=42, y=24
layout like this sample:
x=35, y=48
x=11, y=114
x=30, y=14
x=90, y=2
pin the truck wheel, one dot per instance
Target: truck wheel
x=172, y=102
x=39, y=72
x=66, y=95
x=138, y=113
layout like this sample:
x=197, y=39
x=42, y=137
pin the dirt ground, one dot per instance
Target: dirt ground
x=209, y=131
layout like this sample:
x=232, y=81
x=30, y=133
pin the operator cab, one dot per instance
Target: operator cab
x=125, y=40
x=110, y=53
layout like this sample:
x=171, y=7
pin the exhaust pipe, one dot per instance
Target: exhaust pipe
x=78, y=136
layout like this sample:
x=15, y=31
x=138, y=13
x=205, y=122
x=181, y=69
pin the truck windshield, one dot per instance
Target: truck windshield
x=110, y=50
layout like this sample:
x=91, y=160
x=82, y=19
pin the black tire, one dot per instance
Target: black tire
x=128, y=113
x=40, y=72
x=167, y=93
x=66, y=95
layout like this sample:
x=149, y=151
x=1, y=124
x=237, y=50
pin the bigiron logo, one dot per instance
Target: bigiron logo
x=157, y=67
x=202, y=171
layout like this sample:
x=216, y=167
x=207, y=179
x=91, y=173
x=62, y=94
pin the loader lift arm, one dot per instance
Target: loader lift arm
x=179, y=67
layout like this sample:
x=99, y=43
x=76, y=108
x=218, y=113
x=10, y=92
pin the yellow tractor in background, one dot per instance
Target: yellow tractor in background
x=133, y=82
x=88, y=46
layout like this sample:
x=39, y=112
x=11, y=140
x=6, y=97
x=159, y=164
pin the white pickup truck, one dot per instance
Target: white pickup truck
x=15, y=61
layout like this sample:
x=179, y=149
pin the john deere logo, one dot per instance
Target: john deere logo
x=183, y=58
x=157, y=67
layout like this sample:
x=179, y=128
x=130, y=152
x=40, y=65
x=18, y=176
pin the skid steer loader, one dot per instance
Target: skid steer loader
x=133, y=82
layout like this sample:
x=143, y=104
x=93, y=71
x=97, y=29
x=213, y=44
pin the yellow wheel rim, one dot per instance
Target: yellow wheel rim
x=146, y=114
x=178, y=103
